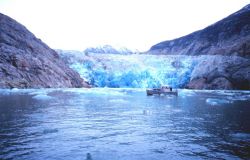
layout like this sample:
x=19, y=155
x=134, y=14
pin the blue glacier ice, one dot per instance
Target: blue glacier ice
x=134, y=71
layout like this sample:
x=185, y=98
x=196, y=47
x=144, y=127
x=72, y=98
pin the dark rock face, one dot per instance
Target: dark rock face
x=26, y=62
x=230, y=36
x=221, y=72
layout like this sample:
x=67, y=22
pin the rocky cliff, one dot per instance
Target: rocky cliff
x=221, y=72
x=27, y=62
x=230, y=36
x=229, y=40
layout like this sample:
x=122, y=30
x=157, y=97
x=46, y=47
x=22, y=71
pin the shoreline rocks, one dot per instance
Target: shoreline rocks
x=221, y=72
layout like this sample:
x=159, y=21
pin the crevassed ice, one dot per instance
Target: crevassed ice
x=134, y=71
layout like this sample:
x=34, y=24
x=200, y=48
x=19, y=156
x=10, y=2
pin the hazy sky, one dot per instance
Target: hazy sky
x=136, y=24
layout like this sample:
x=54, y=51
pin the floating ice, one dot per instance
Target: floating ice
x=4, y=92
x=39, y=92
x=118, y=101
x=214, y=101
x=42, y=97
x=147, y=112
x=229, y=95
x=97, y=91
x=186, y=92
x=241, y=136
x=14, y=89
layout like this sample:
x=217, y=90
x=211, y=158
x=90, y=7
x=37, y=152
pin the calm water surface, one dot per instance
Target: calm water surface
x=123, y=124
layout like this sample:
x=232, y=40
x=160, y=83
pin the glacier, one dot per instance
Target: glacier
x=132, y=71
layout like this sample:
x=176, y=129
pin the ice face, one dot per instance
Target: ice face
x=134, y=71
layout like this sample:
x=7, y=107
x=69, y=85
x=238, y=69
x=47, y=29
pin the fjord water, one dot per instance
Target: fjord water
x=124, y=124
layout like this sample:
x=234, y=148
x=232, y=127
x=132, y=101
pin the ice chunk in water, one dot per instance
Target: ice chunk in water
x=215, y=102
x=42, y=97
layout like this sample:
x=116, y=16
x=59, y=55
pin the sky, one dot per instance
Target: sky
x=136, y=24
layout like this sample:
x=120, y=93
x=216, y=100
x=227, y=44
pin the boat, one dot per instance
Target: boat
x=163, y=90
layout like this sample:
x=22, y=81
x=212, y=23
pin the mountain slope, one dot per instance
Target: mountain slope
x=27, y=62
x=230, y=36
x=108, y=49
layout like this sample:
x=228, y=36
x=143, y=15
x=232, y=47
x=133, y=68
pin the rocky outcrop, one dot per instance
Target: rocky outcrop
x=230, y=36
x=229, y=40
x=27, y=62
x=221, y=72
